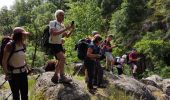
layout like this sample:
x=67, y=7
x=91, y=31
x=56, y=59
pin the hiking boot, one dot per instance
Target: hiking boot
x=64, y=79
x=54, y=79
x=134, y=76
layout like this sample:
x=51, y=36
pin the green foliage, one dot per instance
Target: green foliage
x=40, y=57
x=155, y=51
x=87, y=16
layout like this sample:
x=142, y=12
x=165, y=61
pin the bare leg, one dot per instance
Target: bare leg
x=60, y=64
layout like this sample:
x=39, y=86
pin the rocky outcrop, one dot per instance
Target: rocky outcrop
x=50, y=91
x=151, y=88
x=132, y=86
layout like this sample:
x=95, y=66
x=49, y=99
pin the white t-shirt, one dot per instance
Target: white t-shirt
x=56, y=39
x=121, y=61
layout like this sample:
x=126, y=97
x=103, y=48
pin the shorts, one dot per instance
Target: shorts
x=132, y=64
x=56, y=48
x=109, y=56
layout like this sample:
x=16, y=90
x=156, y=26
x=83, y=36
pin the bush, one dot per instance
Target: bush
x=155, y=51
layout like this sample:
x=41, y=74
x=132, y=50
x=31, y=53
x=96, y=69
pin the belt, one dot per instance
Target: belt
x=18, y=70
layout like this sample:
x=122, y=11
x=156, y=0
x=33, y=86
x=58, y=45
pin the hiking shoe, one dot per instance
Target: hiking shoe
x=54, y=79
x=64, y=79
x=92, y=91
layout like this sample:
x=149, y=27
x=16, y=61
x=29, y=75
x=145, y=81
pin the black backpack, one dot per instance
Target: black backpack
x=4, y=42
x=81, y=48
x=44, y=42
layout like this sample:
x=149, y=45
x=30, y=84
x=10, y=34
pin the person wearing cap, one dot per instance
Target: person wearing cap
x=58, y=31
x=90, y=61
x=107, y=50
x=133, y=59
x=15, y=67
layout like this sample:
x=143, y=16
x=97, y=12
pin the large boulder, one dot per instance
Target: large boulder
x=160, y=87
x=131, y=86
x=47, y=90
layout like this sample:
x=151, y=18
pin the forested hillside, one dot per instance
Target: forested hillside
x=140, y=24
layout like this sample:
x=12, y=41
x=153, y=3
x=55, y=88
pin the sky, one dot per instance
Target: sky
x=7, y=3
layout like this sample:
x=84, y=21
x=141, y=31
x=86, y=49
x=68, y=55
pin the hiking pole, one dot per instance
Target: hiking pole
x=3, y=83
x=8, y=96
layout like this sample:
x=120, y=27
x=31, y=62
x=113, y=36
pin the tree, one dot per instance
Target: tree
x=6, y=21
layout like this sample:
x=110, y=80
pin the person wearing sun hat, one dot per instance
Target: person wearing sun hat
x=14, y=64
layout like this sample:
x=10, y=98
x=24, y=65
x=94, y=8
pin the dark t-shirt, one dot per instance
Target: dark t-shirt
x=95, y=48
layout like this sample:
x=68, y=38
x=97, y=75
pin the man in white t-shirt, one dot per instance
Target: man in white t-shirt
x=57, y=32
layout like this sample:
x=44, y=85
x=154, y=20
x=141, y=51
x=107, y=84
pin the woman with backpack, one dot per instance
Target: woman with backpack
x=93, y=54
x=14, y=64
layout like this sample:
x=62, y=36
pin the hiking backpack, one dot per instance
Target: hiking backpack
x=81, y=48
x=44, y=42
x=4, y=42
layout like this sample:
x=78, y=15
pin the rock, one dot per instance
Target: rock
x=157, y=93
x=51, y=91
x=150, y=82
x=166, y=86
x=155, y=78
x=132, y=86
x=79, y=69
x=4, y=93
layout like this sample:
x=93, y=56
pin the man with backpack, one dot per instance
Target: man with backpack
x=57, y=31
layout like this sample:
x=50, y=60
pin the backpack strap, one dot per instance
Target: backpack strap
x=12, y=51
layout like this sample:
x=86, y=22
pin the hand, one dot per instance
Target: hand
x=114, y=46
x=138, y=59
x=98, y=56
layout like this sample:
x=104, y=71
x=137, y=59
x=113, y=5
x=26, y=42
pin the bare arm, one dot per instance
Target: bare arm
x=54, y=31
x=90, y=55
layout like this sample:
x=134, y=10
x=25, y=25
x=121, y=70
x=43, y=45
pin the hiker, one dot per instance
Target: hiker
x=14, y=64
x=89, y=62
x=133, y=59
x=107, y=50
x=119, y=62
x=57, y=32
x=98, y=70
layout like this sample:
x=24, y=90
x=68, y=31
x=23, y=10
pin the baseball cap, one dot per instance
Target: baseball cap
x=94, y=33
x=20, y=30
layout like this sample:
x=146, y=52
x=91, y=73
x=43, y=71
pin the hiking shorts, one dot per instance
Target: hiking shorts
x=132, y=64
x=56, y=48
x=109, y=56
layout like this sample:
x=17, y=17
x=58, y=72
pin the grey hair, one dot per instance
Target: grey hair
x=58, y=11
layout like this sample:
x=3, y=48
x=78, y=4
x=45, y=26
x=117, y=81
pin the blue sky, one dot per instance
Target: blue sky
x=7, y=3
